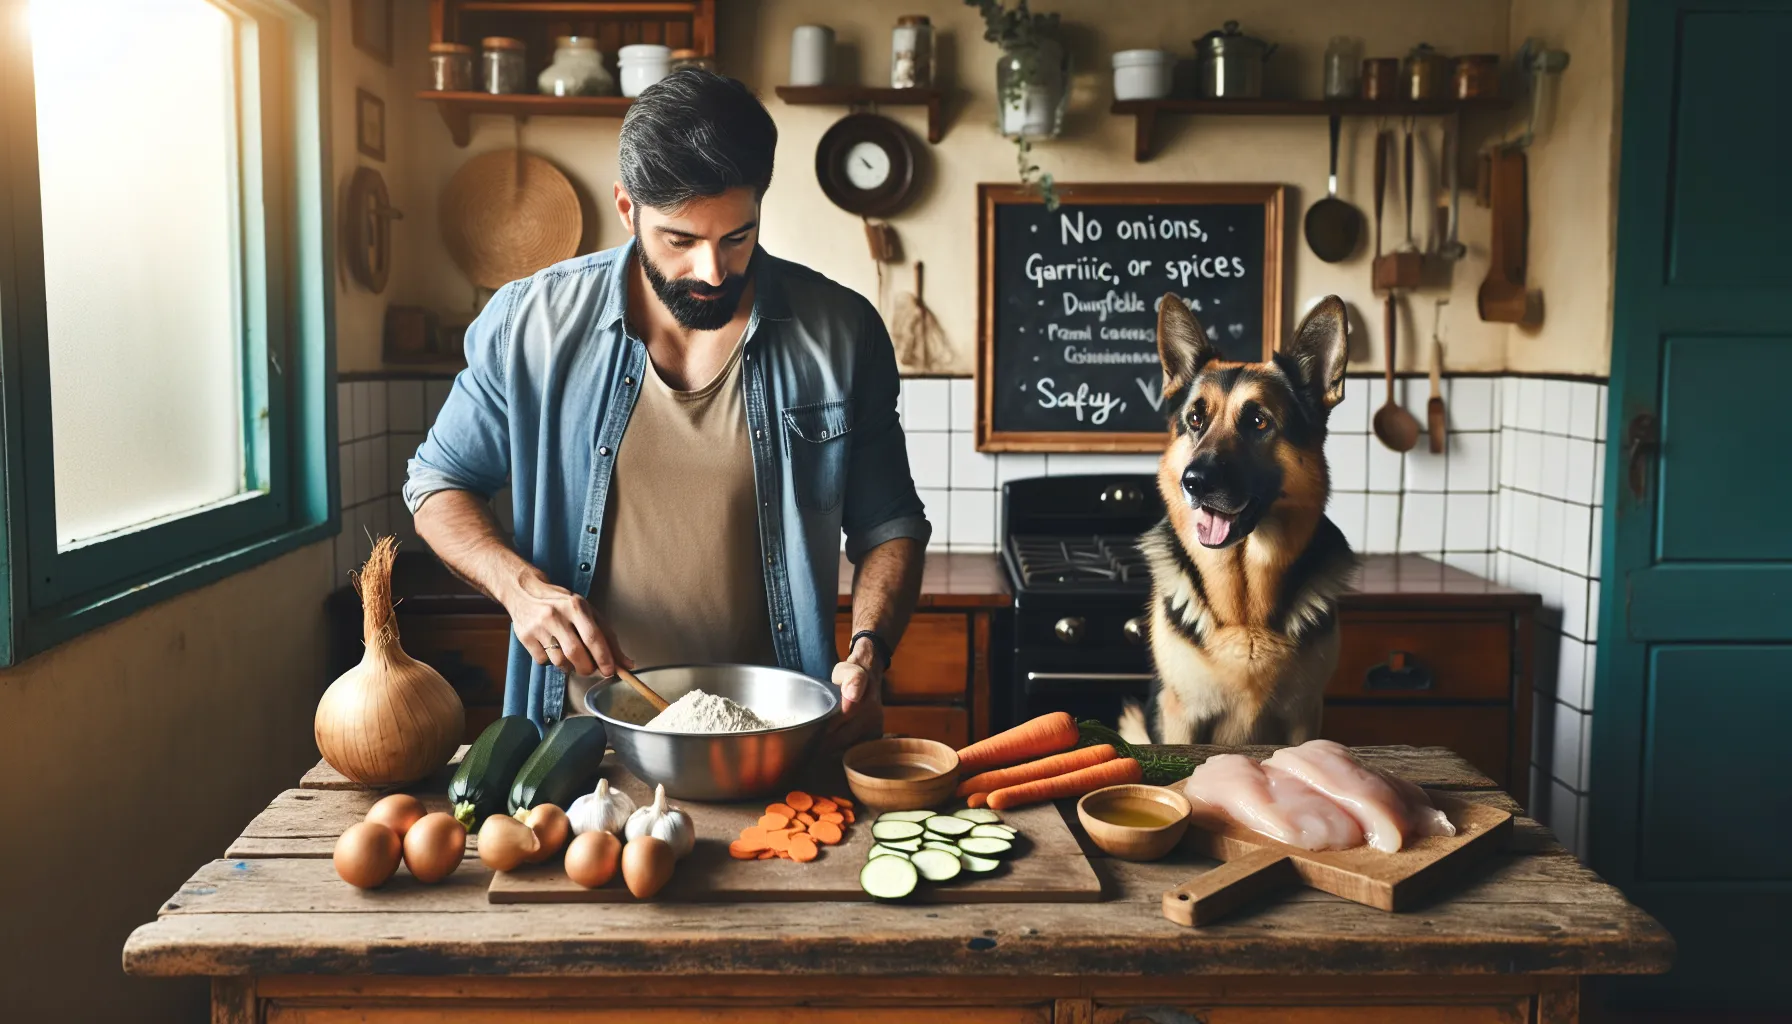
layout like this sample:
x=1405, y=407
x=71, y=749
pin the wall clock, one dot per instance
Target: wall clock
x=367, y=219
x=867, y=164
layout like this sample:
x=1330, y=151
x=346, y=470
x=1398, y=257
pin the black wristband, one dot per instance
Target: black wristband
x=877, y=644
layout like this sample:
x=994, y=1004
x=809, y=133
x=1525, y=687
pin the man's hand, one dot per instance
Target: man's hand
x=559, y=627
x=860, y=679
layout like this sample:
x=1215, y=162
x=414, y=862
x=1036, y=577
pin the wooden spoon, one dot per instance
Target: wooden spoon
x=1434, y=409
x=659, y=703
x=1393, y=424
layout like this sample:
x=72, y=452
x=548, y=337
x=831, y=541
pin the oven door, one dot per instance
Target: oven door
x=1087, y=660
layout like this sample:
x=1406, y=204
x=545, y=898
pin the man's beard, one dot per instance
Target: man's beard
x=680, y=295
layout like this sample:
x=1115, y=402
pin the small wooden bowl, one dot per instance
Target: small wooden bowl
x=1129, y=842
x=873, y=769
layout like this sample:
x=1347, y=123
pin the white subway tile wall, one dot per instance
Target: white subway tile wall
x=1516, y=495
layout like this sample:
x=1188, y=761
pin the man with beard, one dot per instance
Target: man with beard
x=687, y=424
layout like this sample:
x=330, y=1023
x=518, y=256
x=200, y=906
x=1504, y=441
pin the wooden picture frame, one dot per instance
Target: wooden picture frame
x=370, y=125
x=370, y=24
x=991, y=197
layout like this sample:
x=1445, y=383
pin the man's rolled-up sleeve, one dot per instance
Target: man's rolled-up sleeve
x=881, y=503
x=468, y=445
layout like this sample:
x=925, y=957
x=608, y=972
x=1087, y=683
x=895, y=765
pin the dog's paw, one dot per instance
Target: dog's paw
x=1133, y=727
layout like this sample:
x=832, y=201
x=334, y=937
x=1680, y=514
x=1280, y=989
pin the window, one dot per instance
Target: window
x=163, y=300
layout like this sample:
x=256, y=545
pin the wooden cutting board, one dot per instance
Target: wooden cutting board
x=1256, y=864
x=1049, y=866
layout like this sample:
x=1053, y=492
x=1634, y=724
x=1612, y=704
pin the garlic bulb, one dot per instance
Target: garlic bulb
x=668, y=824
x=606, y=810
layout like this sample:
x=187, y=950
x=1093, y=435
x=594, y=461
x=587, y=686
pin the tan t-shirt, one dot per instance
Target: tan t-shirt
x=680, y=578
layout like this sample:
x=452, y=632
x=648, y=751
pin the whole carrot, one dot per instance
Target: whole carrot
x=1033, y=771
x=1047, y=734
x=976, y=800
x=1119, y=771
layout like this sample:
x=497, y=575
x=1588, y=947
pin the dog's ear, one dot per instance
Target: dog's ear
x=1181, y=343
x=1321, y=348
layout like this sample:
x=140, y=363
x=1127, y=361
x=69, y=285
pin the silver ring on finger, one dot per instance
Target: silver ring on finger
x=550, y=647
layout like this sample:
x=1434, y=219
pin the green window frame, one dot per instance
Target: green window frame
x=287, y=347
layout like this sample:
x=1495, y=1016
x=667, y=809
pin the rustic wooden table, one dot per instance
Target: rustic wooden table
x=286, y=942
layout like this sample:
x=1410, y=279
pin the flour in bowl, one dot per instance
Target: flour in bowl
x=698, y=711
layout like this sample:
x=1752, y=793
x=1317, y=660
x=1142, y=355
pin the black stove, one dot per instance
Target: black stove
x=1069, y=549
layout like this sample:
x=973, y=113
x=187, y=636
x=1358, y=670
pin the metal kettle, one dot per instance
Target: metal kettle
x=1232, y=63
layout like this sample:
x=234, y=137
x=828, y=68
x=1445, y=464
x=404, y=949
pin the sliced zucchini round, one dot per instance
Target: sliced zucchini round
x=905, y=816
x=904, y=845
x=981, y=846
x=978, y=815
x=951, y=848
x=885, y=851
x=937, y=865
x=978, y=865
x=947, y=825
x=885, y=831
x=888, y=878
x=993, y=832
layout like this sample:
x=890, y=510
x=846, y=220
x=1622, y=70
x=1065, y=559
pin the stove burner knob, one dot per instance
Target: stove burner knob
x=1069, y=629
x=1134, y=629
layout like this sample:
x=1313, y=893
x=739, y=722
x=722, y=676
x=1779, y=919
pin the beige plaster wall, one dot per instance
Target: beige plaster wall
x=1573, y=187
x=940, y=227
x=134, y=754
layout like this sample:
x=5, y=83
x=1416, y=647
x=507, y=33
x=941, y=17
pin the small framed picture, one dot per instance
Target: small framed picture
x=370, y=124
x=371, y=23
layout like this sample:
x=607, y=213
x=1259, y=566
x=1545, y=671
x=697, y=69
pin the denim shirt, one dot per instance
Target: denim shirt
x=552, y=376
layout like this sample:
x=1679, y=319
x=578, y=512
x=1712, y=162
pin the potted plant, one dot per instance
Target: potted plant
x=1032, y=82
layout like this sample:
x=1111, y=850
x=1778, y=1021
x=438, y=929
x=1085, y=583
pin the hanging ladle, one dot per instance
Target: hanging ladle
x=1397, y=428
x=1332, y=224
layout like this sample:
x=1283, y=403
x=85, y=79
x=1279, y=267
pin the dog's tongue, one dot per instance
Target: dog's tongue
x=1212, y=527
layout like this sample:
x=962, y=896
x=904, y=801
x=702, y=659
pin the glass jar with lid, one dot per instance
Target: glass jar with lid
x=911, y=52
x=502, y=69
x=682, y=59
x=578, y=70
x=450, y=67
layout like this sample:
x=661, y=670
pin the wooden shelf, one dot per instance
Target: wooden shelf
x=1146, y=112
x=862, y=95
x=457, y=108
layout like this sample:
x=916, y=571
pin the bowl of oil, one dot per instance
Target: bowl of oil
x=1134, y=822
x=901, y=773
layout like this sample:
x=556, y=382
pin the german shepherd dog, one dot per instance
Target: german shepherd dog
x=1245, y=567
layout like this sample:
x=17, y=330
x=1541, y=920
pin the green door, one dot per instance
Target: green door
x=1691, y=811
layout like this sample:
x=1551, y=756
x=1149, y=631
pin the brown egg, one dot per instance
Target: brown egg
x=367, y=854
x=591, y=858
x=505, y=843
x=397, y=812
x=646, y=866
x=434, y=847
x=551, y=826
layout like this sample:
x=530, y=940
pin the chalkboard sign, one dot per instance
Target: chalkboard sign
x=1067, y=319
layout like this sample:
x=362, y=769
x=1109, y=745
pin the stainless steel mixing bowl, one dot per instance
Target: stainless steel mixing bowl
x=720, y=766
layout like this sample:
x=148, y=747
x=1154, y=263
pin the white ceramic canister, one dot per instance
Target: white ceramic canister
x=1141, y=74
x=642, y=64
x=811, y=54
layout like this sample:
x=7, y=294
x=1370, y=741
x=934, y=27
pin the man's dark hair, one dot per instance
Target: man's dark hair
x=695, y=133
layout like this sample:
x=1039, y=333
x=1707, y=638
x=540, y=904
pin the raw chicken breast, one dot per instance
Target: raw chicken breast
x=1270, y=801
x=1391, y=811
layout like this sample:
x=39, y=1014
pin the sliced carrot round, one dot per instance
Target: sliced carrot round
x=826, y=832
x=772, y=822
x=803, y=848
x=799, y=800
x=739, y=852
x=834, y=816
x=784, y=809
x=766, y=855
x=842, y=801
x=823, y=805
x=779, y=841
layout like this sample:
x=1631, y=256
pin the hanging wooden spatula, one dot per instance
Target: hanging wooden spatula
x=1434, y=409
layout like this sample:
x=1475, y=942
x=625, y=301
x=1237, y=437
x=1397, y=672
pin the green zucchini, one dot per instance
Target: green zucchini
x=563, y=768
x=888, y=878
x=482, y=782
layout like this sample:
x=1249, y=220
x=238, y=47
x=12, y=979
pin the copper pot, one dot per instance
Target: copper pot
x=1425, y=72
x=1476, y=76
x=1381, y=76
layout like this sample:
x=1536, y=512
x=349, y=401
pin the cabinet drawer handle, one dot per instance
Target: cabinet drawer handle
x=1401, y=671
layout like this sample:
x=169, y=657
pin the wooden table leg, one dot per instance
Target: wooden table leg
x=233, y=1000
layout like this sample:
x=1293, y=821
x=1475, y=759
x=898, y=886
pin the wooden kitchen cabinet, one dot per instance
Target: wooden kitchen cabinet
x=1434, y=656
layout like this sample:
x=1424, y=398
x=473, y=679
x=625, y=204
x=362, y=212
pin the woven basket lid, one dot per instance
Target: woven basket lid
x=498, y=228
